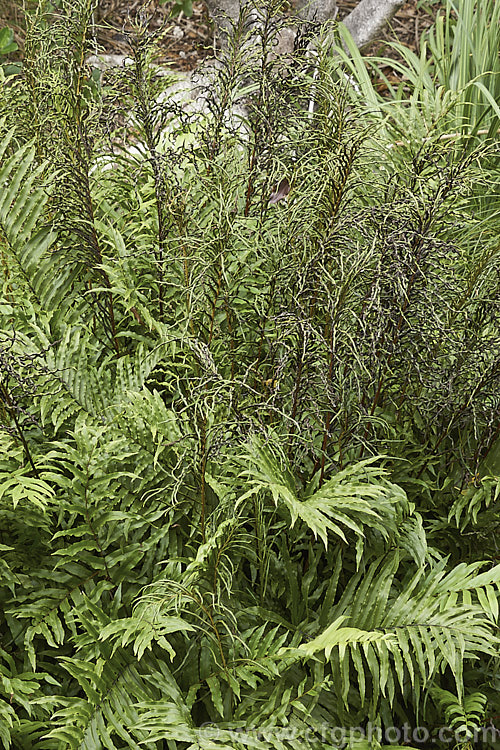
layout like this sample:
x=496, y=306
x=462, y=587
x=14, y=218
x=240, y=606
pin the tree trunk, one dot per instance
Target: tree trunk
x=364, y=23
x=368, y=19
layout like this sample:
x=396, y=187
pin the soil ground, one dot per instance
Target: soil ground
x=187, y=41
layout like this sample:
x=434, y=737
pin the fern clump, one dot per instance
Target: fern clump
x=249, y=391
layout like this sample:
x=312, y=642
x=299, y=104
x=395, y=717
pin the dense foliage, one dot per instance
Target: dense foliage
x=249, y=389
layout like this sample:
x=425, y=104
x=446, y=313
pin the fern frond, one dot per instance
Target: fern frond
x=22, y=208
x=473, y=499
x=354, y=499
x=20, y=487
x=143, y=632
x=434, y=620
x=465, y=716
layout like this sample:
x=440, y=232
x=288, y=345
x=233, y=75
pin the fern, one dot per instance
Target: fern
x=463, y=717
x=351, y=499
x=248, y=446
x=22, y=209
x=421, y=633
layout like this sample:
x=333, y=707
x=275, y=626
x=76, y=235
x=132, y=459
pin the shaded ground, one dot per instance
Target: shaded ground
x=187, y=41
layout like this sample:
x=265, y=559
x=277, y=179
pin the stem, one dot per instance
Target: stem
x=214, y=305
x=203, y=467
x=91, y=527
x=298, y=378
x=12, y=410
x=417, y=248
x=159, y=183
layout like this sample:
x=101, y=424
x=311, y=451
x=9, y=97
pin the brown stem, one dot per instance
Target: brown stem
x=12, y=410
x=417, y=248
x=203, y=467
x=298, y=379
x=328, y=418
x=251, y=180
x=231, y=334
x=145, y=114
x=214, y=305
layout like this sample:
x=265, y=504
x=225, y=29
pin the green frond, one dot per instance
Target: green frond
x=465, y=716
x=357, y=498
x=410, y=630
x=22, y=209
x=143, y=632
x=19, y=487
x=7, y=717
x=473, y=499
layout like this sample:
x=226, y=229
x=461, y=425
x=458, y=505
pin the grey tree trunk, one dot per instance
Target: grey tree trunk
x=364, y=23
x=369, y=17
